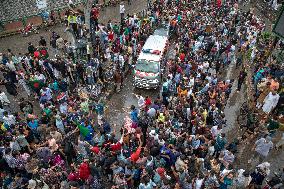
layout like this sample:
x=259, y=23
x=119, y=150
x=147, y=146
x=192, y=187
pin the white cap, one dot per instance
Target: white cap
x=32, y=184
x=152, y=132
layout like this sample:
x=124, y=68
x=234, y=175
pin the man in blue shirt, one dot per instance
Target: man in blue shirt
x=99, y=108
x=4, y=59
x=134, y=114
x=33, y=124
x=106, y=126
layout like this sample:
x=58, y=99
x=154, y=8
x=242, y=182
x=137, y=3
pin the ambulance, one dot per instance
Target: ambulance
x=148, y=68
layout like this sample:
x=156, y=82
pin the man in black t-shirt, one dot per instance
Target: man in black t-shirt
x=31, y=48
x=42, y=41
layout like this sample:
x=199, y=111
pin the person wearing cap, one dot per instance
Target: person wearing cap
x=32, y=184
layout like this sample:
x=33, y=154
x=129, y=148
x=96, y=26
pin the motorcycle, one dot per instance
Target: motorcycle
x=30, y=28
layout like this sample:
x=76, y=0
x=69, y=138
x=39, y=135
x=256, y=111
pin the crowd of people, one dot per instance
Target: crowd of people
x=176, y=140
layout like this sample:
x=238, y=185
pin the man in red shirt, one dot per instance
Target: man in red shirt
x=135, y=155
x=94, y=16
x=148, y=101
x=219, y=4
x=182, y=57
x=110, y=36
x=118, y=145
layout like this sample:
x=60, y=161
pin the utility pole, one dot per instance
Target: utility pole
x=87, y=12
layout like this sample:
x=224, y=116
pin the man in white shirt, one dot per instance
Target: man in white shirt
x=46, y=91
x=216, y=130
x=227, y=157
x=71, y=3
x=4, y=99
x=191, y=81
x=42, y=77
x=90, y=76
x=141, y=100
x=27, y=63
x=121, y=60
x=9, y=119
x=262, y=147
x=11, y=66
x=151, y=112
x=205, y=66
x=89, y=51
x=121, y=11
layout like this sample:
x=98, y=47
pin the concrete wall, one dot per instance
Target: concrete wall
x=16, y=9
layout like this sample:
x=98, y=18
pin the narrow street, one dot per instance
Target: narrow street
x=120, y=102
